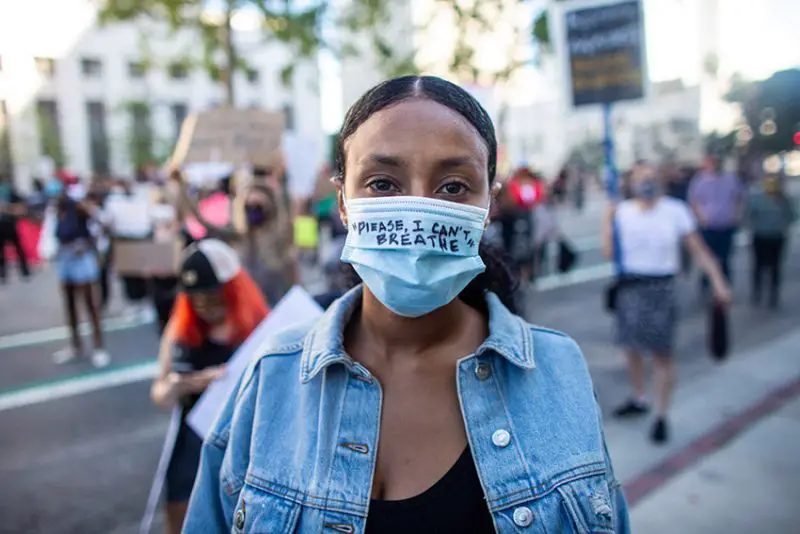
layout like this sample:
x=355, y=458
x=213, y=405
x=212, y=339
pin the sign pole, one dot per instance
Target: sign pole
x=612, y=175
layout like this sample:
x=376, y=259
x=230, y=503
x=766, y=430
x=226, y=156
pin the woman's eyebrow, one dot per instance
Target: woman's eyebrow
x=382, y=159
x=455, y=162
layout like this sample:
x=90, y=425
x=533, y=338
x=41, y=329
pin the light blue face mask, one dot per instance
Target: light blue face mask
x=53, y=188
x=415, y=254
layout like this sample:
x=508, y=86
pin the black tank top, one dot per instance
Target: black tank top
x=189, y=359
x=455, y=504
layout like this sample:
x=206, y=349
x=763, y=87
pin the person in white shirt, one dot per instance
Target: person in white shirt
x=128, y=216
x=643, y=235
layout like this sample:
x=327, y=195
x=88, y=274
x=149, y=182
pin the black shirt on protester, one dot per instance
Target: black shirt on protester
x=455, y=504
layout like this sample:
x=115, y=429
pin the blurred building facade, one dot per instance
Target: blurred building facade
x=104, y=99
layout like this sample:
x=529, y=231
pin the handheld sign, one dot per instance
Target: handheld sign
x=306, y=232
x=216, y=210
x=232, y=136
x=296, y=307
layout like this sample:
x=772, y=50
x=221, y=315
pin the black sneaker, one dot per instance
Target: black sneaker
x=631, y=408
x=660, y=432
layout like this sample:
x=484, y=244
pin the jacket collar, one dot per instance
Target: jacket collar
x=509, y=336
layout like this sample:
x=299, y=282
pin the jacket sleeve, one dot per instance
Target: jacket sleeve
x=223, y=463
x=618, y=503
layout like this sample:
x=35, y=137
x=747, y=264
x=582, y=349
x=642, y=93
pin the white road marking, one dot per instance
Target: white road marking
x=58, y=333
x=69, y=387
x=578, y=276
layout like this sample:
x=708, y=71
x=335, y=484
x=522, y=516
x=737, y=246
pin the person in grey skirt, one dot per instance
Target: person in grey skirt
x=648, y=230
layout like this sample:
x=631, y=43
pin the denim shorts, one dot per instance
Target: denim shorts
x=77, y=266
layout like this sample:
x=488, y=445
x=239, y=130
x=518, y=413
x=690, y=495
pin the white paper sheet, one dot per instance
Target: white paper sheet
x=303, y=162
x=296, y=307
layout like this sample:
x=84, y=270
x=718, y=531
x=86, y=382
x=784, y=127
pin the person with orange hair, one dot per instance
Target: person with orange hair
x=217, y=308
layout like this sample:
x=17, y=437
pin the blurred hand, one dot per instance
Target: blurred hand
x=196, y=382
x=722, y=294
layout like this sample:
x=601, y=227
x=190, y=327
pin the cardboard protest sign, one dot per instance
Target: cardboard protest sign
x=146, y=258
x=296, y=307
x=233, y=136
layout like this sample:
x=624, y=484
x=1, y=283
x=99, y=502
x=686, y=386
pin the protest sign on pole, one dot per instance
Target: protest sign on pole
x=232, y=136
x=296, y=307
x=605, y=47
x=606, y=52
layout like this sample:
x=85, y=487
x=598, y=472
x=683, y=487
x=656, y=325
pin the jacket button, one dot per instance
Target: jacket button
x=483, y=371
x=501, y=438
x=238, y=519
x=523, y=517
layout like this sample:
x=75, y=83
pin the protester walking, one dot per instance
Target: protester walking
x=643, y=235
x=769, y=217
x=12, y=207
x=217, y=308
x=717, y=199
x=408, y=406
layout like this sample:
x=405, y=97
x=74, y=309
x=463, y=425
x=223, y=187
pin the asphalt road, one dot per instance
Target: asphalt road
x=84, y=463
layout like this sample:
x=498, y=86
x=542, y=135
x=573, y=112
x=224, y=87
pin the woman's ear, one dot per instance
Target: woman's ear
x=493, y=193
x=338, y=183
x=496, y=187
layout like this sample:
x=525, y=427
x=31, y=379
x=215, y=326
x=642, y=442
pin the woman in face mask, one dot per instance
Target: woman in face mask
x=265, y=245
x=643, y=235
x=408, y=406
x=260, y=232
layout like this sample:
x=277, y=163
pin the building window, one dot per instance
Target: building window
x=288, y=115
x=178, y=71
x=253, y=76
x=6, y=164
x=179, y=113
x=98, y=138
x=49, y=130
x=141, y=134
x=136, y=69
x=91, y=68
x=45, y=66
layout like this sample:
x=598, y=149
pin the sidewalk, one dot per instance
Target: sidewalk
x=732, y=465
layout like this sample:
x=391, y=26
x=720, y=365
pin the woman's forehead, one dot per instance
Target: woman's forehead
x=417, y=126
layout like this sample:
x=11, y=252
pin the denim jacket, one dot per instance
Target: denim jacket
x=294, y=451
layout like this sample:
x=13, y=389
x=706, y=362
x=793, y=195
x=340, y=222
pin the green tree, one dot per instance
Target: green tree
x=294, y=23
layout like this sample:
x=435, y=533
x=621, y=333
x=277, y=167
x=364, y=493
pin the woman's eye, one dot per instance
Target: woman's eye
x=382, y=186
x=453, y=188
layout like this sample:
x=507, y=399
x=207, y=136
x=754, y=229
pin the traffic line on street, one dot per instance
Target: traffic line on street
x=59, y=333
x=77, y=385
